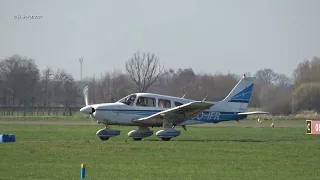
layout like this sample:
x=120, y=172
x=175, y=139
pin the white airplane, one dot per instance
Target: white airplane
x=154, y=110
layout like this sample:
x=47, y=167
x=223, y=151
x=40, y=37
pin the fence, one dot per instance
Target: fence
x=39, y=111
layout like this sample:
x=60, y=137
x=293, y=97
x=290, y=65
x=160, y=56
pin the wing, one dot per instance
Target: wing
x=253, y=113
x=177, y=114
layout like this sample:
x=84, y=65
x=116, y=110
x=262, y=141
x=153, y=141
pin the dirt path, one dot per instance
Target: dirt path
x=96, y=124
x=50, y=123
x=251, y=125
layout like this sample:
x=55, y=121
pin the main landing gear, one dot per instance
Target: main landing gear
x=105, y=133
x=140, y=132
x=166, y=134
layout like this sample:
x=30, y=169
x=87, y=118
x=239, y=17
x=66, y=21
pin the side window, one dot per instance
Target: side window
x=146, y=101
x=177, y=103
x=164, y=103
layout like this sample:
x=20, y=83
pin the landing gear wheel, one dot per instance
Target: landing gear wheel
x=104, y=138
x=137, y=139
x=165, y=139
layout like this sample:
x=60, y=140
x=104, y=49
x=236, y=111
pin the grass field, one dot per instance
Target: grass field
x=252, y=152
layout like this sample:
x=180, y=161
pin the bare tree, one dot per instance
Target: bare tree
x=45, y=84
x=306, y=97
x=184, y=81
x=120, y=85
x=163, y=86
x=65, y=89
x=276, y=99
x=266, y=76
x=302, y=72
x=307, y=71
x=20, y=75
x=93, y=87
x=117, y=85
x=2, y=90
x=282, y=80
x=144, y=70
x=223, y=85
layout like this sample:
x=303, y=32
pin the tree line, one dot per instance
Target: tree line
x=23, y=85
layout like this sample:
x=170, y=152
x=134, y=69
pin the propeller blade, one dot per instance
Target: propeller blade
x=87, y=109
x=85, y=93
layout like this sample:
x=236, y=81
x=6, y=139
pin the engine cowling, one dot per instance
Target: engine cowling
x=168, y=133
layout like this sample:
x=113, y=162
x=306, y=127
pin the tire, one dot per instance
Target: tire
x=104, y=138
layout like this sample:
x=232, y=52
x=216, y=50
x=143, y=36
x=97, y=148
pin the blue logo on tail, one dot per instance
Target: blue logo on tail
x=243, y=96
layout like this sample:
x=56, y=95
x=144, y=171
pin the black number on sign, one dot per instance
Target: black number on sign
x=308, y=126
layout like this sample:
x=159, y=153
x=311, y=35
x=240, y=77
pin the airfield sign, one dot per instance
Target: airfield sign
x=313, y=126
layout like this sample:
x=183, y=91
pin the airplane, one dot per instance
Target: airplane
x=146, y=110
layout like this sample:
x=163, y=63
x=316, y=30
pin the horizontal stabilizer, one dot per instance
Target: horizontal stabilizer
x=253, y=113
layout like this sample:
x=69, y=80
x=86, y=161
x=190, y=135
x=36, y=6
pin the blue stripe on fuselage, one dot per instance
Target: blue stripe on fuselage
x=205, y=116
x=239, y=101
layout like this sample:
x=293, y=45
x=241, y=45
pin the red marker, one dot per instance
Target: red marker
x=313, y=127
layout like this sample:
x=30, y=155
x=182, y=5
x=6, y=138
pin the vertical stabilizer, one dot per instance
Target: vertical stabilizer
x=240, y=95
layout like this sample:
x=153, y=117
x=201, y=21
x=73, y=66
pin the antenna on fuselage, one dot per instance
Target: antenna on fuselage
x=205, y=98
x=184, y=95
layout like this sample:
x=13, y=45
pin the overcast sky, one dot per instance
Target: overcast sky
x=207, y=35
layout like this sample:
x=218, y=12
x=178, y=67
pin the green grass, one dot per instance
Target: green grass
x=56, y=152
x=267, y=118
x=83, y=118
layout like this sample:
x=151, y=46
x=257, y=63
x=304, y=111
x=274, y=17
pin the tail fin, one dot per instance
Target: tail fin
x=240, y=95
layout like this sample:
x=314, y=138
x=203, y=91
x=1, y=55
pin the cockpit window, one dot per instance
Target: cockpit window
x=128, y=100
x=146, y=101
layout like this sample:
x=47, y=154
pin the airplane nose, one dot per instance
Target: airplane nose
x=87, y=110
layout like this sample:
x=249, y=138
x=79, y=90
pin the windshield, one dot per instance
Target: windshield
x=129, y=100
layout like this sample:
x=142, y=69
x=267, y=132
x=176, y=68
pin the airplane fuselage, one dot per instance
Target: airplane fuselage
x=146, y=110
x=119, y=113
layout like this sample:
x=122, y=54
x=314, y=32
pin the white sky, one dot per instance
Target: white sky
x=208, y=35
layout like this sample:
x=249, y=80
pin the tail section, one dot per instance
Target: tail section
x=239, y=97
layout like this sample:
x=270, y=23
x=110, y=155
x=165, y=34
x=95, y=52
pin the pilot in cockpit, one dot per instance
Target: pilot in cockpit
x=161, y=104
x=131, y=99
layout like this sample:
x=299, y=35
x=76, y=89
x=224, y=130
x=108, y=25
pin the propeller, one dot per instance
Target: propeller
x=86, y=95
x=87, y=109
